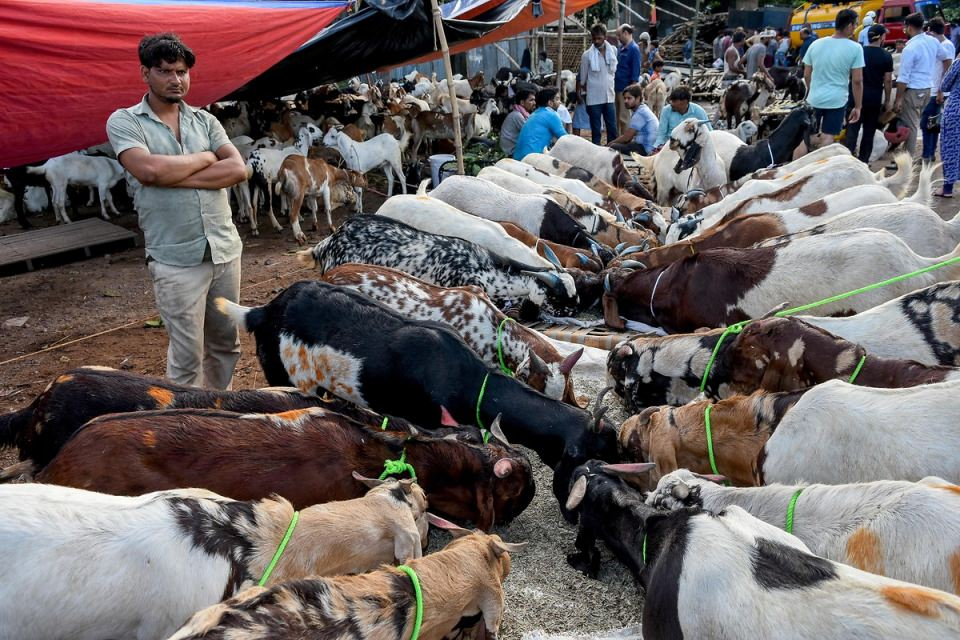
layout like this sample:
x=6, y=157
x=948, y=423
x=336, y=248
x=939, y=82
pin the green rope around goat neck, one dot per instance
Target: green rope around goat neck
x=394, y=467
x=383, y=425
x=644, y=548
x=503, y=366
x=483, y=390
x=856, y=371
x=788, y=525
x=706, y=422
x=283, y=545
x=418, y=618
x=738, y=327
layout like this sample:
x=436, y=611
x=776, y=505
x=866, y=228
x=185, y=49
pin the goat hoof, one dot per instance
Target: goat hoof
x=301, y=239
x=581, y=562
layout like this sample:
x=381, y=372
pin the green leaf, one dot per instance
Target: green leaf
x=155, y=323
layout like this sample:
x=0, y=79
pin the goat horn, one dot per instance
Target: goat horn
x=636, y=248
x=632, y=264
x=619, y=247
x=551, y=256
x=584, y=260
x=606, y=284
x=600, y=397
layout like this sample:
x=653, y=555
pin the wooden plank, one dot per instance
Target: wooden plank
x=83, y=234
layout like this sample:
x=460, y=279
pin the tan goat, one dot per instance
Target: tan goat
x=301, y=177
x=675, y=437
x=465, y=578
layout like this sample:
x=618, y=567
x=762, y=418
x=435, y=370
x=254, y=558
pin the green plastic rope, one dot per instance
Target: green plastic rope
x=738, y=327
x=393, y=467
x=418, y=618
x=283, y=545
x=503, y=367
x=483, y=390
x=856, y=371
x=788, y=525
x=644, y=548
x=734, y=328
x=713, y=462
x=383, y=425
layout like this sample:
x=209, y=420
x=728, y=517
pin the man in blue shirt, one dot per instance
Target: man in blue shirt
x=640, y=134
x=679, y=109
x=808, y=37
x=628, y=71
x=542, y=127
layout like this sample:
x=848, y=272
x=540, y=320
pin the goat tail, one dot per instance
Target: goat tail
x=924, y=193
x=900, y=181
x=26, y=469
x=247, y=317
x=14, y=423
x=422, y=189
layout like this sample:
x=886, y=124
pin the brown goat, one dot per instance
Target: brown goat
x=569, y=256
x=300, y=177
x=676, y=437
x=786, y=354
x=464, y=577
x=306, y=456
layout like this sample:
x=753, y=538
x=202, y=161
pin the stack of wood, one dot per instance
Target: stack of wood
x=708, y=27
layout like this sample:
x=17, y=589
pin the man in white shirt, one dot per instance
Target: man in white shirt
x=931, y=135
x=545, y=65
x=598, y=66
x=917, y=63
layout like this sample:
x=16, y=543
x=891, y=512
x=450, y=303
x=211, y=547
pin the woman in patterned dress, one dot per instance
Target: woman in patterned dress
x=950, y=130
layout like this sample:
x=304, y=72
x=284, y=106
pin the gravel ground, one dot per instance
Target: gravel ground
x=546, y=598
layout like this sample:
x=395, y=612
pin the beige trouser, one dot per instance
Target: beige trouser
x=914, y=100
x=204, y=343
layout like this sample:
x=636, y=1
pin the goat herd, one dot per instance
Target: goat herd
x=781, y=475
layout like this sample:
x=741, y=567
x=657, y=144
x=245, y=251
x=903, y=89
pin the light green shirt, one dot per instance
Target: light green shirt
x=178, y=224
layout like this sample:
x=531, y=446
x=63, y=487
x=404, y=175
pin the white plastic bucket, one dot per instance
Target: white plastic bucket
x=437, y=161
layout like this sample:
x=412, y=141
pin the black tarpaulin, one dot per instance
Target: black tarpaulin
x=372, y=39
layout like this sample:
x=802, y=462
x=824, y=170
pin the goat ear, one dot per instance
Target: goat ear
x=446, y=419
x=441, y=523
x=497, y=432
x=680, y=491
x=370, y=482
x=510, y=547
x=568, y=363
x=503, y=467
x=714, y=477
x=537, y=365
x=629, y=468
x=576, y=493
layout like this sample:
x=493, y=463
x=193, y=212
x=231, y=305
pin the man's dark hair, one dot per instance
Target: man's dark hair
x=635, y=90
x=598, y=30
x=914, y=20
x=522, y=94
x=164, y=47
x=739, y=36
x=657, y=64
x=936, y=25
x=680, y=93
x=544, y=96
x=845, y=18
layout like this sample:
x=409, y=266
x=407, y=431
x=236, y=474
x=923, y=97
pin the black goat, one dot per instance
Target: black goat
x=797, y=127
x=320, y=337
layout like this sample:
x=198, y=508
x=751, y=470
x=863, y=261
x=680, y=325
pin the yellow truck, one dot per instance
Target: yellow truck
x=889, y=13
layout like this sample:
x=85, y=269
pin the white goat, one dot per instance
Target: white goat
x=730, y=575
x=908, y=531
x=807, y=185
x=380, y=152
x=919, y=226
x=88, y=566
x=435, y=216
x=746, y=130
x=840, y=432
x=603, y=162
x=921, y=325
x=481, y=123
x=79, y=169
x=528, y=171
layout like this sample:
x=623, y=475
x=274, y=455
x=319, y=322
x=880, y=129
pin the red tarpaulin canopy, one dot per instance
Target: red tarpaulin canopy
x=69, y=64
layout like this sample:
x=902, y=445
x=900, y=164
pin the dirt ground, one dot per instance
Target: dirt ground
x=92, y=312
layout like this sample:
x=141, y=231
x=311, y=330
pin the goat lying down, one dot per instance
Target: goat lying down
x=872, y=526
x=833, y=433
x=88, y=566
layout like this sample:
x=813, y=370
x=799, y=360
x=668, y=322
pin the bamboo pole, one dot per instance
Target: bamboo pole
x=559, y=67
x=448, y=70
x=693, y=36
